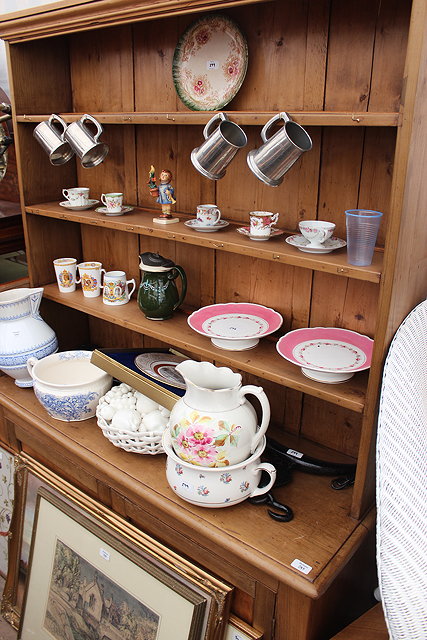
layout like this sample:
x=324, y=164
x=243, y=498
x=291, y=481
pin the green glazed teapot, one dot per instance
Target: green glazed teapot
x=158, y=295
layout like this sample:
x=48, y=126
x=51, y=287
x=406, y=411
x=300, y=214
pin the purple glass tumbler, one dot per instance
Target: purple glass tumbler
x=362, y=230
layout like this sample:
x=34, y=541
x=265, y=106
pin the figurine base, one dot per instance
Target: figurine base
x=165, y=220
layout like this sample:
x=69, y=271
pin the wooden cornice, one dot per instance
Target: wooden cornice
x=70, y=16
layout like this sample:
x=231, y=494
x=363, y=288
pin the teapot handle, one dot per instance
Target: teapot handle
x=279, y=116
x=265, y=406
x=181, y=272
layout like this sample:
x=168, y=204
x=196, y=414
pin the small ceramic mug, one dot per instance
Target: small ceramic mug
x=208, y=214
x=77, y=196
x=90, y=277
x=115, y=288
x=113, y=201
x=262, y=223
x=65, y=270
x=316, y=231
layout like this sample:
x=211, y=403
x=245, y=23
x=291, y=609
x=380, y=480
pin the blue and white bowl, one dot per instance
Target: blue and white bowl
x=68, y=385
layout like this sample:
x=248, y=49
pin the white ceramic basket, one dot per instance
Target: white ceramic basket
x=148, y=442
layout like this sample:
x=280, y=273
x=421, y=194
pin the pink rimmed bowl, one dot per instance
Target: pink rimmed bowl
x=327, y=354
x=235, y=326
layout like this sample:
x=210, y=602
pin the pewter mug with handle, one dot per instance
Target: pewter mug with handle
x=86, y=145
x=279, y=152
x=51, y=138
x=219, y=148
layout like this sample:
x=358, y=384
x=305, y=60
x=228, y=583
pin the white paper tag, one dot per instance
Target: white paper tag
x=104, y=554
x=301, y=566
x=295, y=454
x=212, y=65
x=234, y=634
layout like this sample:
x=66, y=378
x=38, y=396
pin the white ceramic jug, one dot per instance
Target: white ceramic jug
x=213, y=424
x=23, y=333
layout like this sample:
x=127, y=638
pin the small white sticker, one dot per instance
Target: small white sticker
x=104, y=554
x=212, y=65
x=235, y=634
x=301, y=566
x=295, y=454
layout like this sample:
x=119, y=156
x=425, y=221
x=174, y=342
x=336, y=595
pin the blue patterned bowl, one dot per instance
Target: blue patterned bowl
x=68, y=385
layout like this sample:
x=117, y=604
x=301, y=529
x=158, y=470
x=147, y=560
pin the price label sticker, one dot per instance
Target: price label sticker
x=212, y=65
x=295, y=454
x=301, y=566
x=235, y=634
x=104, y=554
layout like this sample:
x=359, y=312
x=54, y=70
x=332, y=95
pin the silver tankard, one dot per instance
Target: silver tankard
x=219, y=148
x=277, y=155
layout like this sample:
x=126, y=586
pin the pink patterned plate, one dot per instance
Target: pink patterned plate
x=210, y=62
x=327, y=354
x=235, y=326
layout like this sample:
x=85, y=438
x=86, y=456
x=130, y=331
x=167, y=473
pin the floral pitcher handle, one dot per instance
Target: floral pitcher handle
x=265, y=406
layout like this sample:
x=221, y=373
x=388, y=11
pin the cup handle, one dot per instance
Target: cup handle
x=65, y=193
x=279, y=116
x=55, y=118
x=103, y=199
x=133, y=287
x=218, y=116
x=274, y=218
x=99, y=128
x=264, y=466
x=30, y=365
x=265, y=406
x=218, y=212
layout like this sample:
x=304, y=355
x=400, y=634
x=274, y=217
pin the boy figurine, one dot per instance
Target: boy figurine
x=165, y=196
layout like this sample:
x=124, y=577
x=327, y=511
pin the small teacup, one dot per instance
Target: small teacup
x=65, y=270
x=208, y=214
x=316, y=231
x=115, y=288
x=262, y=223
x=77, y=196
x=90, y=277
x=113, y=201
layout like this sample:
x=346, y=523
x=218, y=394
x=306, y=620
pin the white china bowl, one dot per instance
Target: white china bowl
x=68, y=385
x=216, y=487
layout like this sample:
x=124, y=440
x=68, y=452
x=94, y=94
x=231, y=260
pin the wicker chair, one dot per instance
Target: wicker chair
x=402, y=481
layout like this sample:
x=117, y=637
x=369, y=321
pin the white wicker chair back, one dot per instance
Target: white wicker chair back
x=402, y=481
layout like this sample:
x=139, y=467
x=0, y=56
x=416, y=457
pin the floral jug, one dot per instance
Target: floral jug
x=213, y=424
x=23, y=333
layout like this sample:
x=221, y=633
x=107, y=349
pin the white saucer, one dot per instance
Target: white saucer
x=303, y=244
x=245, y=231
x=206, y=228
x=104, y=210
x=82, y=207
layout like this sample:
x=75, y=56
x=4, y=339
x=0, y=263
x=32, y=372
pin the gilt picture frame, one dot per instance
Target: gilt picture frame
x=204, y=597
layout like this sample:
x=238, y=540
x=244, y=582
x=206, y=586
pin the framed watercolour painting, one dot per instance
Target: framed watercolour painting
x=97, y=574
